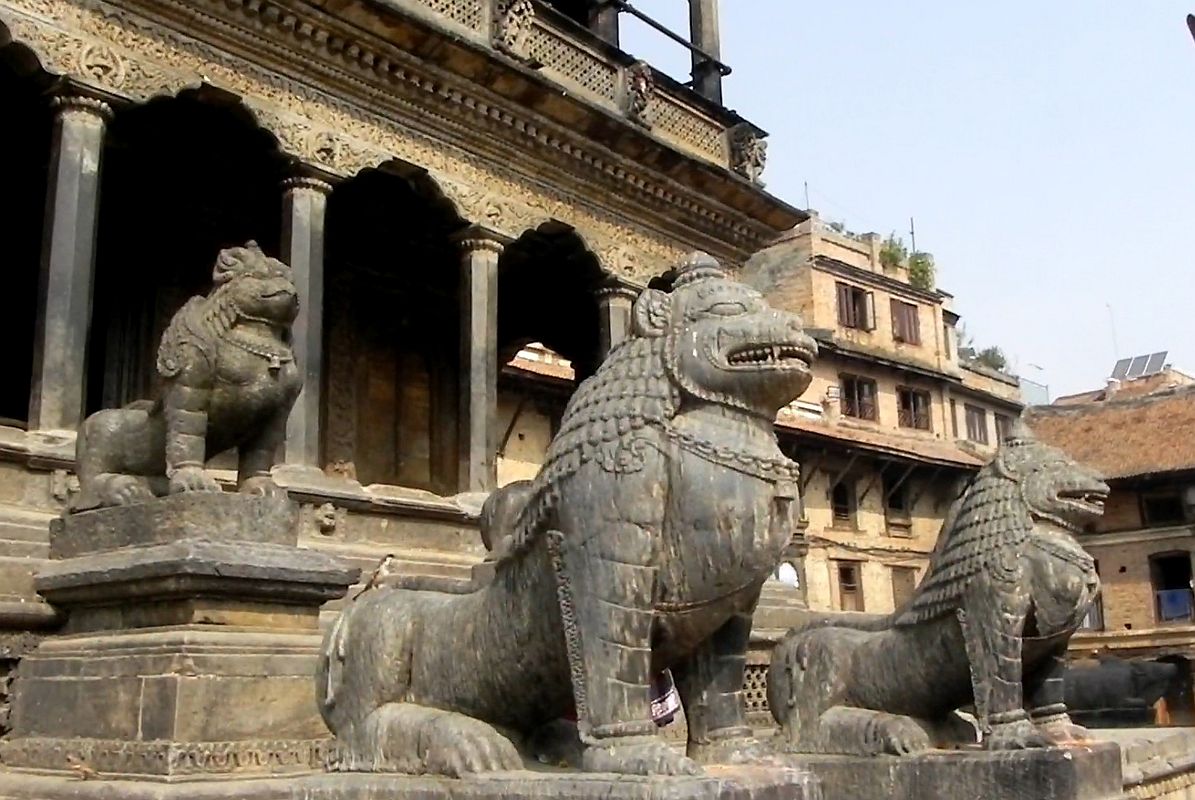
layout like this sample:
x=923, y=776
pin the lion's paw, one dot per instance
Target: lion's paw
x=261, y=486
x=901, y=736
x=737, y=750
x=1019, y=735
x=1060, y=730
x=455, y=745
x=192, y=479
x=125, y=490
x=641, y=757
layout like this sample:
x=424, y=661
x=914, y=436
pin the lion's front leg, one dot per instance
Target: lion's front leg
x=258, y=455
x=993, y=627
x=1044, y=695
x=186, y=406
x=611, y=586
x=710, y=682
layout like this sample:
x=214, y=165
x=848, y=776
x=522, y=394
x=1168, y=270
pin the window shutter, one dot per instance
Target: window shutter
x=914, y=325
x=898, y=328
x=844, y=305
x=870, y=321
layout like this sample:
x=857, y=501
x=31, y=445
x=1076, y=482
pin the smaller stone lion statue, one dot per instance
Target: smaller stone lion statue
x=230, y=380
x=989, y=624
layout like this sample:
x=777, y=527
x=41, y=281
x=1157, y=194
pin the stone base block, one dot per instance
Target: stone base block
x=1073, y=773
x=721, y=783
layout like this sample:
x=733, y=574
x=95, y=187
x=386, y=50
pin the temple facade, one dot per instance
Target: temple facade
x=471, y=194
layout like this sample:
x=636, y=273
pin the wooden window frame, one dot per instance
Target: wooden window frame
x=906, y=322
x=856, y=307
x=851, y=403
x=849, y=520
x=1003, y=426
x=982, y=413
x=910, y=417
x=856, y=586
x=1150, y=521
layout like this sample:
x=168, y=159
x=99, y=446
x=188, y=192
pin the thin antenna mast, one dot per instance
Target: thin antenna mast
x=1112, y=328
x=806, y=195
x=912, y=237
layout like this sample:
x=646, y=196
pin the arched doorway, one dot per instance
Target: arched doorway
x=183, y=178
x=391, y=331
x=25, y=138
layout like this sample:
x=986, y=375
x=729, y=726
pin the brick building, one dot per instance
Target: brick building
x=1138, y=434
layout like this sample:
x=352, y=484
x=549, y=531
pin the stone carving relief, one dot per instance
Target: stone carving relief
x=599, y=581
x=748, y=152
x=638, y=84
x=120, y=52
x=512, y=24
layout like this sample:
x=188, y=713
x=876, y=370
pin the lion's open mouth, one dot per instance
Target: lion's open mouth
x=1088, y=500
x=754, y=355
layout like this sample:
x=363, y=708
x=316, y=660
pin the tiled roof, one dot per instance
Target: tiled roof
x=1127, y=437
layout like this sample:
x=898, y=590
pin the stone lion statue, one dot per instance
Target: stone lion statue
x=663, y=505
x=229, y=380
x=988, y=626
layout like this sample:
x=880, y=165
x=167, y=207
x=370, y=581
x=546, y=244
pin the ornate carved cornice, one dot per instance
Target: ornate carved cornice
x=79, y=104
x=304, y=183
x=377, y=103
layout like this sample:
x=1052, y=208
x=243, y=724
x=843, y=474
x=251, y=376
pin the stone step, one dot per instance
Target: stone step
x=24, y=531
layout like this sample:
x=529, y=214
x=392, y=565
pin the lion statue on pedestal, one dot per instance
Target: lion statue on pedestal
x=229, y=380
x=663, y=505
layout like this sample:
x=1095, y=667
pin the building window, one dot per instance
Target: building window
x=1170, y=575
x=850, y=591
x=905, y=327
x=1162, y=509
x=842, y=504
x=897, y=505
x=953, y=418
x=946, y=340
x=1003, y=427
x=904, y=583
x=977, y=424
x=856, y=308
x=1094, y=621
x=858, y=397
x=914, y=407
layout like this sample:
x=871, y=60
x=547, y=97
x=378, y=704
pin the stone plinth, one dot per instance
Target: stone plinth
x=1074, y=773
x=192, y=634
x=721, y=783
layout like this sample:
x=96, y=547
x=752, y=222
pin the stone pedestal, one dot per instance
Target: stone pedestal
x=191, y=639
x=1073, y=773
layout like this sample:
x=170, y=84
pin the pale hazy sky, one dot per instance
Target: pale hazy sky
x=1043, y=147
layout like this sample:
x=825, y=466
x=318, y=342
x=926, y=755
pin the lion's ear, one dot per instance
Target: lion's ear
x=650, y=313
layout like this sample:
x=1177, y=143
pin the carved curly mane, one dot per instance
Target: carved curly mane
x=200, y=323
x=992, y=511
x=631, y=390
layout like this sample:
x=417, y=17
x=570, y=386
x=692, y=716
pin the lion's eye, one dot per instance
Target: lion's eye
x=727, y=309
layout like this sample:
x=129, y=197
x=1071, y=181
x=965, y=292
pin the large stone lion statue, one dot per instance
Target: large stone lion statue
x=663, y=505
x=229, y=380
x=988, y=626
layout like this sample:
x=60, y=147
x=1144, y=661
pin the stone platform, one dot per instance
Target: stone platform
x=721, y=783
x=1090, y=772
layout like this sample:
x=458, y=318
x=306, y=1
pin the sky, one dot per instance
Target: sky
x=1043, y=148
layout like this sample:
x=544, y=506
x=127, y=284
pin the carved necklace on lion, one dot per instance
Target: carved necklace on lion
x=276, y=356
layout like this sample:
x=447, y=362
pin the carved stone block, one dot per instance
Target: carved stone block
x=192, y=633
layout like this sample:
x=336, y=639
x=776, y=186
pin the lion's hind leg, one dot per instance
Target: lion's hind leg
x=415, y=740
x=864, y=732
x=108, y=440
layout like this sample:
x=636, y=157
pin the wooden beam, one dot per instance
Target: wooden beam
x=842, y=473
x=921, y=490
x=899, y=483
x=814, y=466
x=876, y=475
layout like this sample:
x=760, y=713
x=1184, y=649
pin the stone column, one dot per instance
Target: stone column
x=603, y=20
x=703, y=32
x=304, y=203
x=68, y=260
x=480, y=249
x=614, y=316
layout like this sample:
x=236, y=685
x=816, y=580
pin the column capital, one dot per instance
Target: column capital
x=307, y=183
x=81, y=104
x=478, y=237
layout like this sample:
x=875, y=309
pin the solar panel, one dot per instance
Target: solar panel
x=1137, y=368
x=1156, y=362
x=1122, y=366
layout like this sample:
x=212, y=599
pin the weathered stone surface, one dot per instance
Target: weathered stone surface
x=229, y=382
x=1074, y=773
x=663, y=505
x=222, y=516
x=1007, y=587
x=722, y=783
